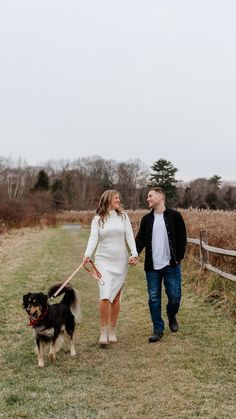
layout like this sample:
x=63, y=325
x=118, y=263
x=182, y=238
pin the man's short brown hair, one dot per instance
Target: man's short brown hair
x=158, y=189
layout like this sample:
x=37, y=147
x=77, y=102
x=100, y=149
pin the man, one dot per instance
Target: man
x=163, y=235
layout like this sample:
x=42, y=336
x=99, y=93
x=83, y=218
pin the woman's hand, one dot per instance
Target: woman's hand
x=86, y=259
x=133, y=260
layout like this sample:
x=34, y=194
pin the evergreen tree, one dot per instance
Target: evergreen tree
x=105, y=182
x=163, y=176
x=213, y=187
x=42, y=183
x=215, y=182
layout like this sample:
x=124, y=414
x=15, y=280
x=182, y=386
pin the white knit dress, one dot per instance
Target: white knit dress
x=111, y=257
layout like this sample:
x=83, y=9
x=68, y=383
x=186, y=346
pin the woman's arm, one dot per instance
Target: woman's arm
x=93, y=238
x=129, y=236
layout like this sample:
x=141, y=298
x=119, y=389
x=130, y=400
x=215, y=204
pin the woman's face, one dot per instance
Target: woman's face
x=115, y=202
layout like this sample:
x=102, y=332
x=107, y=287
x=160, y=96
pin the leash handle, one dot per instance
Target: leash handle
x=94, y=272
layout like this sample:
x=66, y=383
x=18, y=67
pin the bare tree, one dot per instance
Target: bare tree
x=131, y=178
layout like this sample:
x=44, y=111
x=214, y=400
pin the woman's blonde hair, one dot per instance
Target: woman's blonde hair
x=105, y=203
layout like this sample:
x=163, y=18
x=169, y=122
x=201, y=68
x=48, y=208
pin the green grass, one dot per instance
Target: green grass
x=187, y=375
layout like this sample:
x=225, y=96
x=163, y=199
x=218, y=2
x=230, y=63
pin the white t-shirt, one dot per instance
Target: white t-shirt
x=160, y=245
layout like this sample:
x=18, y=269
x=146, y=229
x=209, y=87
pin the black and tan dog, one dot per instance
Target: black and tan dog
x=51, y=322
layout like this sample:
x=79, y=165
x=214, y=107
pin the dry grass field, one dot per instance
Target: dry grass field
x=221, y=232
x=221, y=225
x=187, y=375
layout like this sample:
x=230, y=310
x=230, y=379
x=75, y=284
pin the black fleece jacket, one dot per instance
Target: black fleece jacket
x=176, y=232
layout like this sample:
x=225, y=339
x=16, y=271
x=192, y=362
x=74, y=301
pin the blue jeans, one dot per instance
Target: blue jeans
x=172, y=282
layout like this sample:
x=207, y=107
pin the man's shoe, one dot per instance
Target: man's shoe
x=173, y=324
x=155, y=337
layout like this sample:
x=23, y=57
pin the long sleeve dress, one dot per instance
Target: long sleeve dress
x=111, y=257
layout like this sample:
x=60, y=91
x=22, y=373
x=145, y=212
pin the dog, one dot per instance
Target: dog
x=51, y=322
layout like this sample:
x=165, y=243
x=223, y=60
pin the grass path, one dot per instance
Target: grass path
x=187, y=375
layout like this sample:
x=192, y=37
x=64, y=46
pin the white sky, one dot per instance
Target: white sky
x=123, y=79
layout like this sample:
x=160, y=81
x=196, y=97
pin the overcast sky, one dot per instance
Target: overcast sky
x=125, y=79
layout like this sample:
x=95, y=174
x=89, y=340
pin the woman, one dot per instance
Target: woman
x=111, y=230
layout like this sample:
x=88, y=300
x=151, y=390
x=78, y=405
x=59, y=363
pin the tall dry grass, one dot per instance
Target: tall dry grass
x=81, y=217
x=221, y=233
x=85, y=217
x=220, y=225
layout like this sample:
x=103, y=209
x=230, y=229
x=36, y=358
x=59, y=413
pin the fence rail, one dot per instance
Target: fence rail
x=204, y=254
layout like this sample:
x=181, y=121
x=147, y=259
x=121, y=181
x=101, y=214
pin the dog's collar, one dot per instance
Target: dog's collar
x=36, y=321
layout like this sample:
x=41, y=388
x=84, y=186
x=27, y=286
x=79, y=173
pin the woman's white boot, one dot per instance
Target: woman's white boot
x=112, y=335
x=103, y=336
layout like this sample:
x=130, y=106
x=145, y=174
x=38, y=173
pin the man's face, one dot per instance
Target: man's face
x=154, y=198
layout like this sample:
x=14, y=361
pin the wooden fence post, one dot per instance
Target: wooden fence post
x=204, y=255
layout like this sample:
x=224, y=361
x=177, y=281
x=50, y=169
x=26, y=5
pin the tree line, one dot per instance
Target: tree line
x=28, y=191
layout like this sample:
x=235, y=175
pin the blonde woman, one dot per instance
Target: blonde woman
x=111, y=232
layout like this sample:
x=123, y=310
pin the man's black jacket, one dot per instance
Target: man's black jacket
x=176, y=232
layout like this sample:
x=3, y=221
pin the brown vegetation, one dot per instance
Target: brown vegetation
x=221, y=225
x=221, y=232
x=28, y=193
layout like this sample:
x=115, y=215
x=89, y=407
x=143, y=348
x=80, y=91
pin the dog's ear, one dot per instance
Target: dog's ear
x=25, y=299
x=43, y=298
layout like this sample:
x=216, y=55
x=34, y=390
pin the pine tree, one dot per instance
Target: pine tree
x=164, y=176
x=42, y=183
x=215, y=182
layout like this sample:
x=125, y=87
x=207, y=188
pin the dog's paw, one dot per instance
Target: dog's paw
x=52, y=356
x=41, y=364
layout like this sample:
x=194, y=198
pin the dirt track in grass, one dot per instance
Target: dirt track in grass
x=188, y=374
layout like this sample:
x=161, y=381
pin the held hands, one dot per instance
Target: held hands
x=133, y=260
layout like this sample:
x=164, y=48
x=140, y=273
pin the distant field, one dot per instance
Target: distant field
x=221, y=225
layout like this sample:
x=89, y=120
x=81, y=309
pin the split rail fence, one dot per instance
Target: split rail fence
x=204, y=254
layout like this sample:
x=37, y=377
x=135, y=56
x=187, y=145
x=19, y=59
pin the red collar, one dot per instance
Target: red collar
x=36, y=321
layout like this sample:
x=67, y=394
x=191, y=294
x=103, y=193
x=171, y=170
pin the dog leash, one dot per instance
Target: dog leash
x=94, y=272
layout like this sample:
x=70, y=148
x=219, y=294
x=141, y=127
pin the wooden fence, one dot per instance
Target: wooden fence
x=204, y=254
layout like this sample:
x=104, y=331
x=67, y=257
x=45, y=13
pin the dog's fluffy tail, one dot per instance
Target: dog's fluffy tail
x=70, y=298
